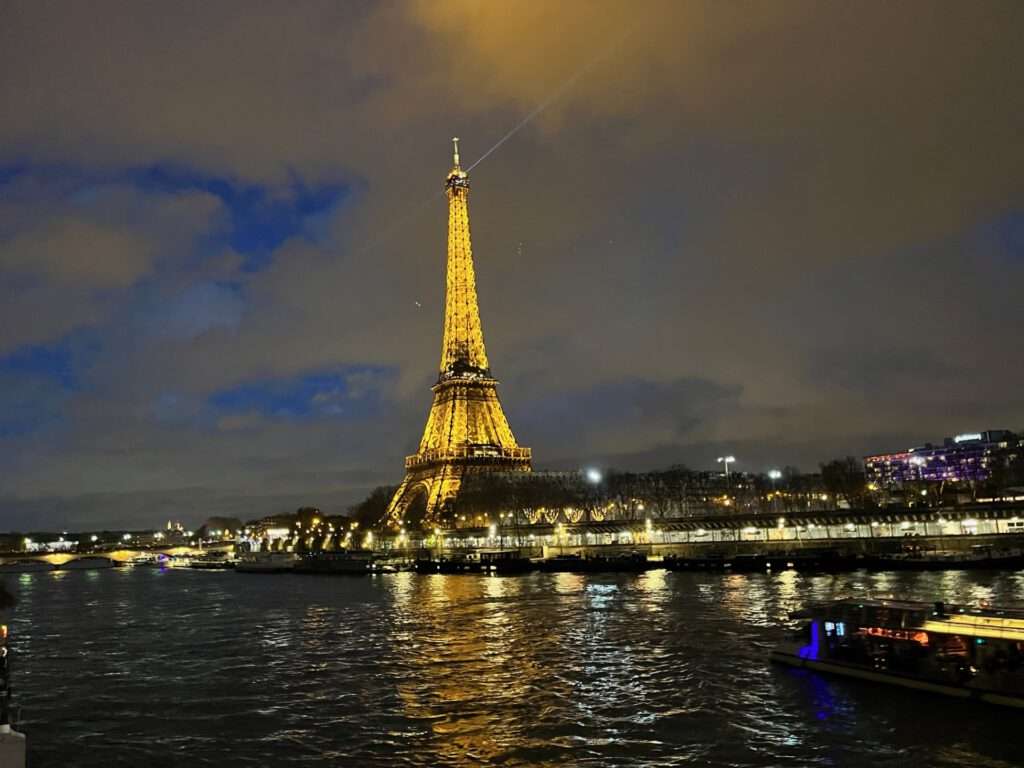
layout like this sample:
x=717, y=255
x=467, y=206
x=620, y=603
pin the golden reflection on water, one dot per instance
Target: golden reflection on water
x=471, y=664
x=654, y=587
x=786, y=586
x=569, y=583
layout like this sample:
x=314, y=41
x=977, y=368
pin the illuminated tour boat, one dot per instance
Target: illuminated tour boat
x=963, y=652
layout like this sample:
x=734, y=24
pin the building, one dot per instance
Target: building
x=966, y=458
x=466, y=432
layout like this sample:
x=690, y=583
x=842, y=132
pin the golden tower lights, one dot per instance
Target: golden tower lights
x=466, y=430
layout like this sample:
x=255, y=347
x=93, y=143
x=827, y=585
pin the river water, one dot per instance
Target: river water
x=144, y=667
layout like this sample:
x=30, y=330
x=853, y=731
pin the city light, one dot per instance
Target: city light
x=594, y=475
x=774, y=474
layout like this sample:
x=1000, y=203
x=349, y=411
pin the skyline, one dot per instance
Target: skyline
x=223, y=271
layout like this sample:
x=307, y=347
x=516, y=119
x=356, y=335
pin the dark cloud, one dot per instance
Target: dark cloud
x=784, y=230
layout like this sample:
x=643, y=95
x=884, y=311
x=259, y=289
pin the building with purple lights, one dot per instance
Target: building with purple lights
x=969, y=457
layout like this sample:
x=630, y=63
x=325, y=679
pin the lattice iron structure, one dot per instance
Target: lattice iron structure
x=466, y=431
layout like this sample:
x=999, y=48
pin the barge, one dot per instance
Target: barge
x=963, y=652
x=808, y=560
x=266, y=562
x=981, y=557
x=500, y=562
x=345, y=561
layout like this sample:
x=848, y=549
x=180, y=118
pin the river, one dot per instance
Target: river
x=148, y=667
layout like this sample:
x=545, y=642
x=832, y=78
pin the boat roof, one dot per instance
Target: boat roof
x=997, y=623
x=995, y=627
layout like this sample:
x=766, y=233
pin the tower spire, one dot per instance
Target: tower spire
x=462, y=350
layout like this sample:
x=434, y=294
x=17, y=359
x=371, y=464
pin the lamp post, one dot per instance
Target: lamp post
x=773, y=475
x=726, y=460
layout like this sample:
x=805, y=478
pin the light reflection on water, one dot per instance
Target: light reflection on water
x=143, y=666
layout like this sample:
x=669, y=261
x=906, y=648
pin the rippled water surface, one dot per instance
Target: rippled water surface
x=142, y=667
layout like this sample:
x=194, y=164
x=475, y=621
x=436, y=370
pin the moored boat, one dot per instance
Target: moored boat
x=26, y=566
x=89, y=564
x=627, y=562
x=981, y=557
x=806, y=560
x=202, y=564
x=504, y=561
x=455, y=563
x=266, y=562
x=957, y=651
x=345, y=561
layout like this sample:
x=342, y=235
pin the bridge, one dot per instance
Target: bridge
x=118, y=556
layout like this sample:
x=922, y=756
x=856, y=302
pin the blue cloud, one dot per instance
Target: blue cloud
x=353, y=392
x=30, y=402
x=10, y=172
x=60, y=363
x=37, y=381
x=1008, y=233
x=260, y=220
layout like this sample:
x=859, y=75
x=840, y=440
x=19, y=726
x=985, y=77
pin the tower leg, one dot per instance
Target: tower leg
x=399, y=503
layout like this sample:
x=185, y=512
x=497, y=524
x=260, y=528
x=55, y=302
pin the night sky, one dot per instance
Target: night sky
x=790, y=231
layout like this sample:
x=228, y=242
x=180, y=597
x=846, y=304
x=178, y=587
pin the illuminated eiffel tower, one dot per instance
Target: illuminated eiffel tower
x=466, y=432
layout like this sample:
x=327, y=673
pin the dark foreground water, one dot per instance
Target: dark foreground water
x=139, y=667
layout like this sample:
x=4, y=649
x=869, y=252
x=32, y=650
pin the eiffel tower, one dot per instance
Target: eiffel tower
x=466, y=432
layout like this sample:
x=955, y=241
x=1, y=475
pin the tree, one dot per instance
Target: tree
x=370, y=511
x=844, y=479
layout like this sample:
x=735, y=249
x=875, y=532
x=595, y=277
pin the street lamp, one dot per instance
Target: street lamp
x=773, y=475
x=726, y=460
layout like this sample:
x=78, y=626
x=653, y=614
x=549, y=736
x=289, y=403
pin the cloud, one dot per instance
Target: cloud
x=115, y=259
x=30, y=402
x=73, y=247
x=779, y=227
x=200, y=308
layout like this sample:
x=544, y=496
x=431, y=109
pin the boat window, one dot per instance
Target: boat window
x=835, y=628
